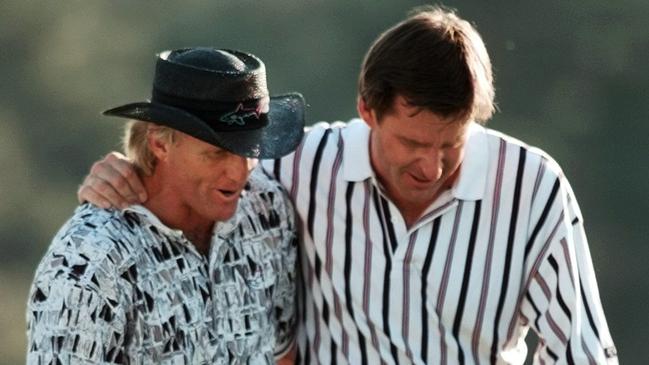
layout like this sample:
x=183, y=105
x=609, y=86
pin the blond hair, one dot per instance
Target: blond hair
x=136, y=143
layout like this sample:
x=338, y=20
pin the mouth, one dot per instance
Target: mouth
x=228, y=195
x=420, y=183
x=421, y=180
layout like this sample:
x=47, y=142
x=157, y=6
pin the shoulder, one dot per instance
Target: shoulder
x=91, y=249
x=99, y=229
x=263, y=190
x=534, y=156
x=322, y=132
x=261, y=183
x=320, y=141
x=549, y=186
x=320, y=127
x=265, y=203
x=77, y=291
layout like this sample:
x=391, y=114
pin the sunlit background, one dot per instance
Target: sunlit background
x=572, y=78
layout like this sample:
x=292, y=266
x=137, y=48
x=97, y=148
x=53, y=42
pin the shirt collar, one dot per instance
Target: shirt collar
x=470, y=184
x=356, y=163
x=143, y=211
x=221, y=228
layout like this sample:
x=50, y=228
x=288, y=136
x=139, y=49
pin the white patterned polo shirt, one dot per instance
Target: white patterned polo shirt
x=121, y=287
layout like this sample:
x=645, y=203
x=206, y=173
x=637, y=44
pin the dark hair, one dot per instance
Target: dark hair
x=436, y=61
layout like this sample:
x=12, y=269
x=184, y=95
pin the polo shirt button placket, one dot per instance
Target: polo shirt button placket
x=433, y=213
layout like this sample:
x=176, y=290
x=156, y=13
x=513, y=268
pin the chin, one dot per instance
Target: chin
x=420, y=196
x=223, y=214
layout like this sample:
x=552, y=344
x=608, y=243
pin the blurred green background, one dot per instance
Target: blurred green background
x=571, y=78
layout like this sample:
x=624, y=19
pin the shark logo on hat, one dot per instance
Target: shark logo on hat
x=238, y=116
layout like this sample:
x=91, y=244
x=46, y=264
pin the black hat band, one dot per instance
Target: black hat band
x=220, y=116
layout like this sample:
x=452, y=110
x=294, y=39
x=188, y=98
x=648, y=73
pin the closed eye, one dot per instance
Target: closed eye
x=412, y=143
x=215, y=153
x=448, y=146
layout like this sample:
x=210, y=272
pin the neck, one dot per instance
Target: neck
x=410, y=211
x=410, y=214
x=165, y=204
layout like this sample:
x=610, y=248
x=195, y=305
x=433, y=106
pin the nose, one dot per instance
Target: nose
x=238, y=168
x=430, y=165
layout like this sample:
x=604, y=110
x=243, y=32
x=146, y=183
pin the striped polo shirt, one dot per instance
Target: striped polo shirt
x=501, y=252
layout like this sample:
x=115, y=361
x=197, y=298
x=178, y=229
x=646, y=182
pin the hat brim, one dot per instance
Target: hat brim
x=278, y=138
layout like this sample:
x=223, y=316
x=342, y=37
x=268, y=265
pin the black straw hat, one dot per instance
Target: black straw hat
x=220, y=96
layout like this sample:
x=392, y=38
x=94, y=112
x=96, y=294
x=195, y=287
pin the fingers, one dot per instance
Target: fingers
x=112, y=182
x=129, y=185
x=101, y=193
x=86, y=193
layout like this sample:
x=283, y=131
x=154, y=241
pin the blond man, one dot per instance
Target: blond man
x=203, y=272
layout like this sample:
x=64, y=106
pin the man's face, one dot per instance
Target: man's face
x=415, y=153
x=207, y=179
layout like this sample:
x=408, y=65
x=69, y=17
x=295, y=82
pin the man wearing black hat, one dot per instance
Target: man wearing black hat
x=203, y=272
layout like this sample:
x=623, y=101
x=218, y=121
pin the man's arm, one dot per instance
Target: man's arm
x=561, y=301
x=112, y=182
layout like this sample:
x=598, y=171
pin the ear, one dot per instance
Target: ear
x=157, y=145
x=367, y=114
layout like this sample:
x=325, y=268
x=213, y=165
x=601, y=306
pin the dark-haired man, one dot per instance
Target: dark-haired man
x=427, y=238
x=204, y=271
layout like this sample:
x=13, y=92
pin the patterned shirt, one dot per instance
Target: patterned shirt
x=121, y=287
x=501, y=252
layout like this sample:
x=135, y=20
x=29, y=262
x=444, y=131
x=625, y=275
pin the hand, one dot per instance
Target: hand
x=112, y=182
x=288, y=358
